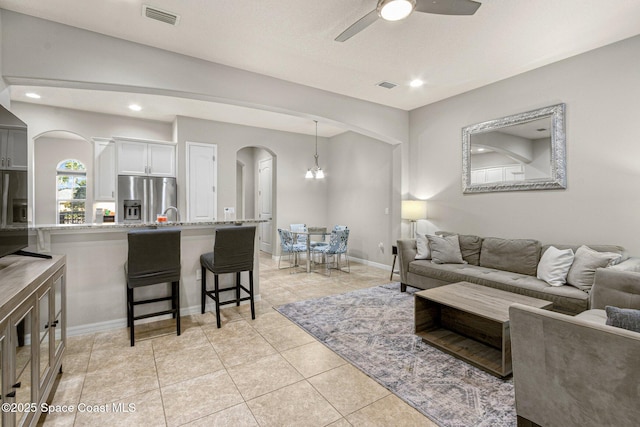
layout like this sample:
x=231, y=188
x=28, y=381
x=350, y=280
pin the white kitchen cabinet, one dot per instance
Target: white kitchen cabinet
x=13, y=155
x=146, y=158
x=104, y=169
x=30, y=351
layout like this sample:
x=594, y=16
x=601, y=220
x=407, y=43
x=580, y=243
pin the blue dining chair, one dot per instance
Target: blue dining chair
x=289, y=247
x=300, y=238
x=338, y=243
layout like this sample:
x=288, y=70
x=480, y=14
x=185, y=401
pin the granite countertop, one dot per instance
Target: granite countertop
x=117, y=226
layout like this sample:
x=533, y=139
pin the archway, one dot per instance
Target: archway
x=256, y=191
x=50, y=149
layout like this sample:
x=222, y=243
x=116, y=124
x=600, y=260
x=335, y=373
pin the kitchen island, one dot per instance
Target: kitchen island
x=96, y=254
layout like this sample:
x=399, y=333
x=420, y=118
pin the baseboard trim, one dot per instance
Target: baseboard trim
x=110, y=325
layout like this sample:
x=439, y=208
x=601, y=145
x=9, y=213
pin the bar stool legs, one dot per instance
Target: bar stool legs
x=215, y=294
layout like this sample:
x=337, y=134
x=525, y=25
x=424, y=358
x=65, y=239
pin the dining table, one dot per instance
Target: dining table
x=312, y=231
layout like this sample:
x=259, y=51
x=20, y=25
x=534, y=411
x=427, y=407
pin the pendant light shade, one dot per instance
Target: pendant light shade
x=316, y=171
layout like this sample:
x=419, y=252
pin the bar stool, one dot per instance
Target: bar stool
x=154, y=258
x=232, y=253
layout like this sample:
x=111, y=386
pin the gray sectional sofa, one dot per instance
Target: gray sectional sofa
x=506, y=264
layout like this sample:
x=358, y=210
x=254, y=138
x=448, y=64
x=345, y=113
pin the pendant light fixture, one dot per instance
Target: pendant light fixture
x=315, y=172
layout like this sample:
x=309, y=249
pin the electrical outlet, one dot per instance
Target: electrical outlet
x=198, y=274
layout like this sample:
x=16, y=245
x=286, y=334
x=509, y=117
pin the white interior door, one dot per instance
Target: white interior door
x=201, y=184
x=265, y=205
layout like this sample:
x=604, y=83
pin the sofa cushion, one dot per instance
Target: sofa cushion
x=422, y=246
x=583, y=270
x=566, y=299
x=469, y=246
x=515, y=255
x=445, y=250
x=626, y=318
x=554, y=266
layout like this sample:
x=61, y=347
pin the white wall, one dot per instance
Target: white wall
x=297, y=199
x=37, y=51
x=360, y=176
x=600, y=204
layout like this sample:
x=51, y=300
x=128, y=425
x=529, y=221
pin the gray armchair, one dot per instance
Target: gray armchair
x=577, y=371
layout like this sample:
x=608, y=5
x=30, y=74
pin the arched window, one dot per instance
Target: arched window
x=71, y=191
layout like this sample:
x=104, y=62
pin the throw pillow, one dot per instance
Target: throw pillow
x=445, y=250
x=554, y=266
x=583, y=270
x=469, y=246
x=423, y=247
x=625, y=318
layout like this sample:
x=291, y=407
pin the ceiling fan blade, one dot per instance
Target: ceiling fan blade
x=447, y=7
x=358, y=26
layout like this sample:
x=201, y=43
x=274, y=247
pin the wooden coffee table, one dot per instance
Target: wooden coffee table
x=471, y=322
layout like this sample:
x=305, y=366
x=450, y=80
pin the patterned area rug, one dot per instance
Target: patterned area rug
x=373, y=329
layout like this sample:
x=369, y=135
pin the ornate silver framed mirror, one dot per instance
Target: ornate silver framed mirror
x=525, y=151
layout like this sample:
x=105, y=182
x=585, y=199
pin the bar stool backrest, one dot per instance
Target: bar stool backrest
x=154, y=256
x=233, y=249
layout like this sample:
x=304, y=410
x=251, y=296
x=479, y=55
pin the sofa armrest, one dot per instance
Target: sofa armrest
x=571, y=372
x=619, y=288
x=407, y=250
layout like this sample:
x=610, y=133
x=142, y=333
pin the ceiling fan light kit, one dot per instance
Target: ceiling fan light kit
x=395, y=10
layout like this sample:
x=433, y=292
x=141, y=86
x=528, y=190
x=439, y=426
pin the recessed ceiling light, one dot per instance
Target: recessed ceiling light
x=135, y=107
x=32, y=95
x=416, y=83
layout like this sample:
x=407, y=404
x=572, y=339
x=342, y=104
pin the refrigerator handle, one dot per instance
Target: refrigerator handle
x=5, y=200
x=151, y=199
x=145, y=201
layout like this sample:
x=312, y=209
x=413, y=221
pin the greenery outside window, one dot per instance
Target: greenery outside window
x=71, y=192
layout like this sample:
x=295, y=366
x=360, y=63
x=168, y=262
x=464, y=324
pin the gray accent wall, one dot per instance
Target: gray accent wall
x=601, y=203
x=361, y=176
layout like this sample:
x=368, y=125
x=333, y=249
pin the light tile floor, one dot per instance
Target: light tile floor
x=262, y=372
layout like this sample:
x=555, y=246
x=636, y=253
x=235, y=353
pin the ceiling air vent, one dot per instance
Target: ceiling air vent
x=160, y=15
x=387, y=85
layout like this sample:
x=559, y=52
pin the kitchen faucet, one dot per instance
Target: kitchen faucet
x=175, y=209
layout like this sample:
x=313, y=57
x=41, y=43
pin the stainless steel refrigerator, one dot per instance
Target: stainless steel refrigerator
x=13, y=191
x=142, y=198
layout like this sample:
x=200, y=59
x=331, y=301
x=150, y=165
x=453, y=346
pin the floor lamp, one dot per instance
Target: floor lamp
x=414, y=210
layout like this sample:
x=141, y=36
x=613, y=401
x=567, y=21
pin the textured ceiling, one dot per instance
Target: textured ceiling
x=294, y=39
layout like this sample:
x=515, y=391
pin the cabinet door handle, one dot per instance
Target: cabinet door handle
x=46, y=326
x=9, y=161
x=12, y=394
x=17, y=385
x=3, y=161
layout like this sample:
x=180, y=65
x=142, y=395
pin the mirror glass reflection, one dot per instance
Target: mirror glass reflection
x=513, y=153
x=524, y=151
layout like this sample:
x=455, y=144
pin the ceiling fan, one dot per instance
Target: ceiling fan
x=395, y=10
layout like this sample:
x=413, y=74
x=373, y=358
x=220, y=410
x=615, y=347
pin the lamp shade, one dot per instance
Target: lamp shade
x=414, y=209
